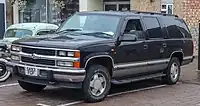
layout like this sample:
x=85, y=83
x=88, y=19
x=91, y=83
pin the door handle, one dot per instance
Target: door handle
x=164, y=45
x=145, y=46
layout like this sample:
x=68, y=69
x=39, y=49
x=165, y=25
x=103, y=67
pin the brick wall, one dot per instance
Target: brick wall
x=189, y=10
x=145, y=5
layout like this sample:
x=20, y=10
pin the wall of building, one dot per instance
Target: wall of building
x=90, y=5
x=146, y=5
x=189, y=10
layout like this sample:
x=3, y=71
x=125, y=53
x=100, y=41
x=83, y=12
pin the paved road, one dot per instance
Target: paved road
x=185, y=93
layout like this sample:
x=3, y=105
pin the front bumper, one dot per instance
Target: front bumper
x=64, y=77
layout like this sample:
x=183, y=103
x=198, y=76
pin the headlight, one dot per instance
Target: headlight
x=62, y=53
x=65, y=63
x=15, y=57
x=15, y=48
x=75, y=54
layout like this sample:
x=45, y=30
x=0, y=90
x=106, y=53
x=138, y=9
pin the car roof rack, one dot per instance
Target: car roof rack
x=151, y=13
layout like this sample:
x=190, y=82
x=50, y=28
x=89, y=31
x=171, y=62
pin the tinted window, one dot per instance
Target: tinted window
x=179, y=26
x=153, y=27
x=134, y=26
x=45, y=32
x=174, y=32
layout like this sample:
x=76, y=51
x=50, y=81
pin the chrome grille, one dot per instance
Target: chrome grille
x=38, y=61
x=47, y=52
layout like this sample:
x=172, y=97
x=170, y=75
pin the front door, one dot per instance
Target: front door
x=131, y=55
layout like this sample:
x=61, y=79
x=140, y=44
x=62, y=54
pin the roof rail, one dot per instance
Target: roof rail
x=155, y=13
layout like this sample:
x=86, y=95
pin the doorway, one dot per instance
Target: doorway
x=117, y=6
x=2, y=20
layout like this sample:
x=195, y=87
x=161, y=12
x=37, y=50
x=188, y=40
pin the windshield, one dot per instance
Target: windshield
x=104, y=24
x=18, y=33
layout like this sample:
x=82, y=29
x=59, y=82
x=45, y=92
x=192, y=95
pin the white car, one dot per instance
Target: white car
x=18, y=31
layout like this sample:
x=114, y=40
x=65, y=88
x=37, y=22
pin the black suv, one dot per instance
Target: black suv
x=91, y=50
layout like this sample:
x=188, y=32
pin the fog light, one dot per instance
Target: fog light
x=15, y=57
x=64, y=63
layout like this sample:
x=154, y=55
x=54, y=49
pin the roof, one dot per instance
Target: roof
x=33, y=26
x=125, y=13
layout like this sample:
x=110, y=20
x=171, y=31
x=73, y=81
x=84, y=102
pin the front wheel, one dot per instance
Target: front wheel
x=97, y=83
x=31, y=87
x=4, y=74
x=173, y=71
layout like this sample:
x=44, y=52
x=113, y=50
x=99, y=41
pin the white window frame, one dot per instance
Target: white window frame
x=166, y=9
x=116, y=3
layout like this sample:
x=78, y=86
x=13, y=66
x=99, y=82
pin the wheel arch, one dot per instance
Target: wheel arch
x=179, y=55
x=105, y=60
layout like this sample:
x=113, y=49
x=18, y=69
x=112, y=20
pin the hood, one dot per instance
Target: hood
x=62, y=41
x=8, y=41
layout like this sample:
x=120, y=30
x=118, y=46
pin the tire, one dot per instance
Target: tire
x=31, y=87
x=4, y=74
x=97, y=77
x=172, y=76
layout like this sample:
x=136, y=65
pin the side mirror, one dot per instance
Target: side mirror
x=129, y=37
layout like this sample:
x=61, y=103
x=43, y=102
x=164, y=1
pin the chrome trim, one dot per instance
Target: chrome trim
x=71, y=78
x=140, y=63
x=188, y=57
x=37, y=56
x=39, y=65
x=3, y=60
x=97, y=57
x=45, y=48
x=69, y=70
x=176, y=52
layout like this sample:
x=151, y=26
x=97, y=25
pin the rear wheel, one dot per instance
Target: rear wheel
x=97, y=83
x=4, y=74
x=31, y=87
x=173, y=71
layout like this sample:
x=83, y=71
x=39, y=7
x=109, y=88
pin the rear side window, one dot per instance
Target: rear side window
x=174, y=32
x=176, y=28
x=153, y=27
x=183, y=28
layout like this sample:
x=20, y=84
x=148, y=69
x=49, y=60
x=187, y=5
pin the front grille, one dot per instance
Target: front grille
x=38, y=51
x=38, y=61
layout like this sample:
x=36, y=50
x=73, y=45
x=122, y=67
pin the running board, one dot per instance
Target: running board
x=135, y=79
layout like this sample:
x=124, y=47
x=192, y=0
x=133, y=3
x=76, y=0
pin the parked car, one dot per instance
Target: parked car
x=18, y=31
x=91, y=50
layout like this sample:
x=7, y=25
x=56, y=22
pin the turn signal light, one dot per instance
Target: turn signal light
x=76, y=64
x=77, y=54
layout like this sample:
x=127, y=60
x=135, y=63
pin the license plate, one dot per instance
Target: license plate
x=31, y=71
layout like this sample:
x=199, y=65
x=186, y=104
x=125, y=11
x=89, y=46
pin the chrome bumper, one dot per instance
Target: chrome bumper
x=57, y=74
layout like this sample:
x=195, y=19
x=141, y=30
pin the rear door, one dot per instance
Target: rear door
x=156, y=44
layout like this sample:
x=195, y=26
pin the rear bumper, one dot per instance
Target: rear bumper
x=70, y=78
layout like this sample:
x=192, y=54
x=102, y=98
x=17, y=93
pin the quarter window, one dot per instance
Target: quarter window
x=153, y=27
x=174, y=32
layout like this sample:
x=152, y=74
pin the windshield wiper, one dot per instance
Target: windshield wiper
x=68, y=30
x=99, y=34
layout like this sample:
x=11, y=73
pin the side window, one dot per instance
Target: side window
x=183, y=28
x=134, y=27
x=174, y=32
x=45, y=32
x=153, y=27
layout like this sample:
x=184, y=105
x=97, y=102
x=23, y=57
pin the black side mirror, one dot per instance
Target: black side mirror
x=129, y=37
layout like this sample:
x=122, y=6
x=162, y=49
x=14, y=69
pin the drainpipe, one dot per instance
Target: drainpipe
x=199, y=48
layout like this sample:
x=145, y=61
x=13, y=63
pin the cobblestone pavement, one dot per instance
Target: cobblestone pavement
x=185, y=93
